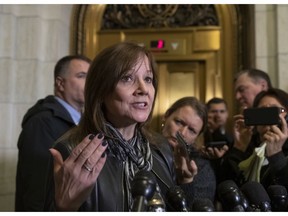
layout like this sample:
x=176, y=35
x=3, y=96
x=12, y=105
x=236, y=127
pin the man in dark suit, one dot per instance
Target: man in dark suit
x=45, y=122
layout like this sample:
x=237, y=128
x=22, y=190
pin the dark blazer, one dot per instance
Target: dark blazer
x=43, y=123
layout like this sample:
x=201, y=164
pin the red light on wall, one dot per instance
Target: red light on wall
x=159, y=44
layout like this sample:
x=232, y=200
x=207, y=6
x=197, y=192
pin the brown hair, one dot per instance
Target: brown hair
x=194, y=103
x=104, y=73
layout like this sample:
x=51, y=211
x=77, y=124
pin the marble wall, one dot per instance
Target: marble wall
x=32, y=39
x=271, y=23
x=282, y=46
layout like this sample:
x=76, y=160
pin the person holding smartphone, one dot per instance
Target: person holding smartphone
x=248, y=83
x=217, y=138
x=273, y=139
x=217, y=135
x=187, y=117
x=217, y=119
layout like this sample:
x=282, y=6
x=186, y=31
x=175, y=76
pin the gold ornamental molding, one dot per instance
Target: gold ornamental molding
x=158, y=16
x=208, y=36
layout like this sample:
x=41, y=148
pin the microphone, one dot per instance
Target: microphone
x=143, y=187
x=256, y=194
x=176, y=199
x=156, y=203
x=202, y=205
x=279, y=197
x=231, y=197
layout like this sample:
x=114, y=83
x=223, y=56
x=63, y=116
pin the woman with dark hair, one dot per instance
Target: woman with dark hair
x=262, y=156
x=95, y=163
x=275, y=137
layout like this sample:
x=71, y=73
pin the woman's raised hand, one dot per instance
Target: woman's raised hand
x=75, y=177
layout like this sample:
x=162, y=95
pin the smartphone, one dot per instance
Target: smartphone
x=262, y=116
x=183, y=146
x=217, y=144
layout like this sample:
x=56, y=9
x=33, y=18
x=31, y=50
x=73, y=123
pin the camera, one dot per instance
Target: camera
x=262, y=116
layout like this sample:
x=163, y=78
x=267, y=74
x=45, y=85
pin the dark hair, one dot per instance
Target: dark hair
x=62, y=65
x=104, y=73
x=194, y=103
x=278, y=94
x=215, y=100
x=256, y=75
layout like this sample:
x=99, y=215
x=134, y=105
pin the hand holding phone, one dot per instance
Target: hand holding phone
x=183, y=146
x=217, y=144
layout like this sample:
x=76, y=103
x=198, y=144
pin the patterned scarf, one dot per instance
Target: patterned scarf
x=135, y=153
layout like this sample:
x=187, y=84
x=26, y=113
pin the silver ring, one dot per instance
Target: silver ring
x=87, y=168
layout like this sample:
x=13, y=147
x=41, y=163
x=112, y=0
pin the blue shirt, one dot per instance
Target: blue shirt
x=75, y=115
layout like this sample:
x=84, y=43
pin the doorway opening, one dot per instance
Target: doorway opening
x=202, y=52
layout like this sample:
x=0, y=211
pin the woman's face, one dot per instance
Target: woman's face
x=132, y=100
x=268, y=101
x=186, y=121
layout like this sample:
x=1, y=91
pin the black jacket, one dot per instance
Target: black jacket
x=108, y=194
x=276, y=172
x=43, y=123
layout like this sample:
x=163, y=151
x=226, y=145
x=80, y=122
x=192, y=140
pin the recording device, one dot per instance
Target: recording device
x=202, y=205
x=143, y=187
x=217, y=144
x=279, y=197
x=231, y=197
x=183, y=146
x=256, y=194
x=262, y=116
x=176, y=199
x=156, y=203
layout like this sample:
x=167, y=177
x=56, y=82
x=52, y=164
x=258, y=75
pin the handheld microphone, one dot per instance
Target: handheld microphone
x=176, y=199
x=202, y=205
x=143, y=187
x=156, y=203
x=230, y=196
x=257, y=196
x=279, y=197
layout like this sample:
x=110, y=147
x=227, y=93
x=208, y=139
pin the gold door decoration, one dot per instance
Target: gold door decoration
x=195, y=45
